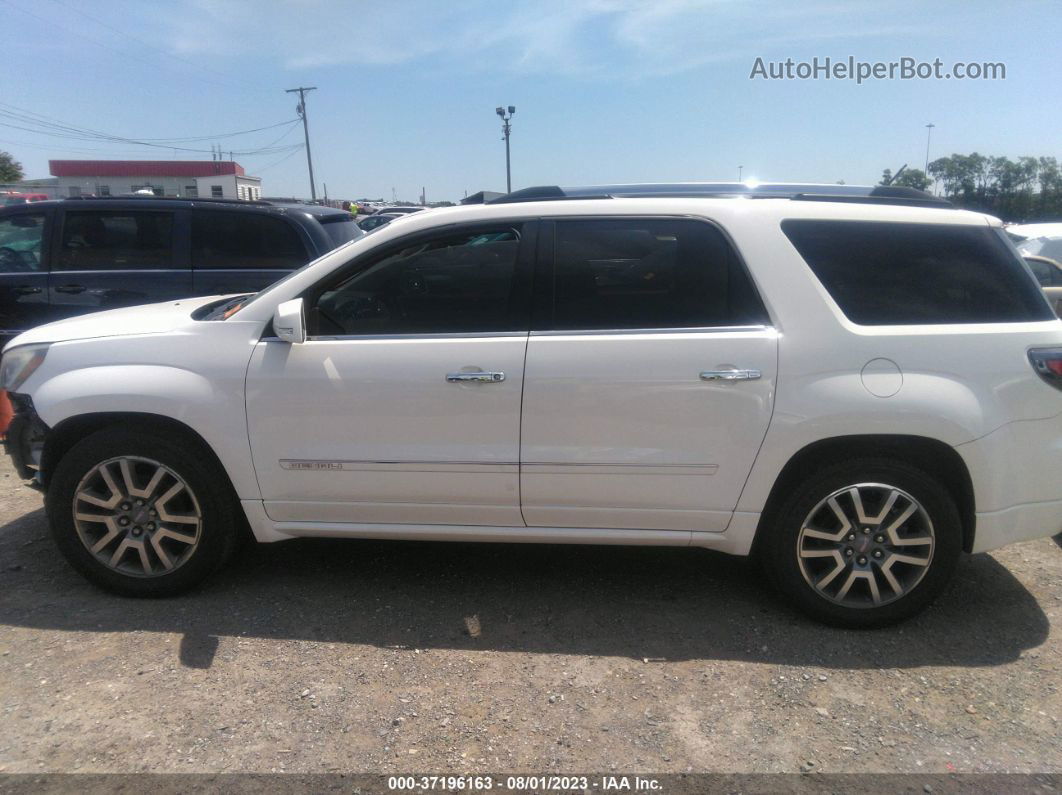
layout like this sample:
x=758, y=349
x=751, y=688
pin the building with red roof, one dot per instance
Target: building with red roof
x=185, y=178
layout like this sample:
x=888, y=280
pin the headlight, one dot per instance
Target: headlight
x=19, y=364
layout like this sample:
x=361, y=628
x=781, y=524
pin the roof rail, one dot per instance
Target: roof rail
x=145, y=197
x=878, y=194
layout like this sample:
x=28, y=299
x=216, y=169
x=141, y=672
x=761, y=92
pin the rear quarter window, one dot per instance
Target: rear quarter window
x=883, y=274
x=235, y=240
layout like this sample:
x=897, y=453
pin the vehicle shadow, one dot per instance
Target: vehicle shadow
x=635, y=602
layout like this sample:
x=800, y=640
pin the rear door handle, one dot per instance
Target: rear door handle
x=70, y=288
x=731, y=375
x=481, y=376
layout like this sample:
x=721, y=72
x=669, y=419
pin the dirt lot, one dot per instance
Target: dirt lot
x=381, y=657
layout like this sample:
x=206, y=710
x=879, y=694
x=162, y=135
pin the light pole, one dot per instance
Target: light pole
x=301, y=110
x=506, y=128
x=740, y=169
x=929, y=133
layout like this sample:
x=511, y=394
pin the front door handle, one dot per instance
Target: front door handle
x=70, y=288
x=731, y=375
x=480, y=376
x=25, y=289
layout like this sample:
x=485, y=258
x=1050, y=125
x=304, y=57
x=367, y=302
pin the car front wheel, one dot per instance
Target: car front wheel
x=865, y=543
x=141, y=513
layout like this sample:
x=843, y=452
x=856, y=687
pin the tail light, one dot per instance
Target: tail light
x=1047, y=362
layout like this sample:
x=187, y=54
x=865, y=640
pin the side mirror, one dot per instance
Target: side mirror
x=289, y=322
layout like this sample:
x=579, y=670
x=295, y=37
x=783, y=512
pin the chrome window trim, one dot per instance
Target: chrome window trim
x=124, y=270
x=426, y=336
x=632, y=331
x=241, y=270
x=513, y=334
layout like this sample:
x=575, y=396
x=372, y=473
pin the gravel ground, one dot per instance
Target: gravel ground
x=359, y=656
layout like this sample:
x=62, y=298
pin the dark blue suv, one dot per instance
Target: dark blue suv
x=69, y=257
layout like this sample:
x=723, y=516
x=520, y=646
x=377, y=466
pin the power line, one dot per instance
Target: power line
x=288, y=156
x=29, y=116
x=135, y=142
x=42, y=125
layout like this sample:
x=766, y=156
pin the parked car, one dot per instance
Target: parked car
x=11, y=199
x=1048, y=273
x=375, y=221
x=1041, y=246
x=70, y=257
x=1019, y=232
x=853, y=385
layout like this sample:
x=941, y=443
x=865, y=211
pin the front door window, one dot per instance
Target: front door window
x=460, y=283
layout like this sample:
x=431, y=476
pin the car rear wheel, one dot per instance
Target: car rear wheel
x=865, y=543
x=140, y=513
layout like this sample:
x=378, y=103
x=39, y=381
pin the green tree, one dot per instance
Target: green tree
x=912, y=178
x=10, y=169
x=1025, y=189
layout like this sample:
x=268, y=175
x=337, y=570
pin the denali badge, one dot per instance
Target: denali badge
x=287, y=463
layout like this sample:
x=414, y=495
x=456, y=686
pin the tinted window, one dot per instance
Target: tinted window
x=20, y=242
x=631, y=273
x=340, y=228
x=374, y=221
x=244, y=240
x=463, y=282
x=1044, y=272
x=893, y=274
x=116, y=240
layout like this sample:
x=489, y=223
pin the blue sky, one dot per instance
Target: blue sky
x=605, y=90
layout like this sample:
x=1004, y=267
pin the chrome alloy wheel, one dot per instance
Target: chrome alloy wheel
x=866, y=545
x=137, y=516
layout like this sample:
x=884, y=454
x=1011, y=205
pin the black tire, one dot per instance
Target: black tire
x=184, y=458
x=780, y=548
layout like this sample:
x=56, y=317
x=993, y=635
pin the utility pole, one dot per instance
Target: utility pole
x=929, y=133
x=506, y=128
x=301, y=110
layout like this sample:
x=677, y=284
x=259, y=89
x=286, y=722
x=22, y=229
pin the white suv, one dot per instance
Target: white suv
x=854, y=385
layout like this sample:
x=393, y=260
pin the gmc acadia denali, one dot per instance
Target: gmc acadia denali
x=853, y=385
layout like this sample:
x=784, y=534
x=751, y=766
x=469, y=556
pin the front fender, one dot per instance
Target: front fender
x=195, y=379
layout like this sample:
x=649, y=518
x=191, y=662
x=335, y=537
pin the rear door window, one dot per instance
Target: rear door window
x=116, y=240
x=883, y=274
x=242, y=240
x=631, y=273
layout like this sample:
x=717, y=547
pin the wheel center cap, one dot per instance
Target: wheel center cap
x=141, y=515
x=863, y=544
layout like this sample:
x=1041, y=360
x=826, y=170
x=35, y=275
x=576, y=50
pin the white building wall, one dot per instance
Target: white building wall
x=184, y=187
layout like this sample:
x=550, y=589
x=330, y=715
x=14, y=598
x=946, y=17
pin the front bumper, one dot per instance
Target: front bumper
x=24, y=441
